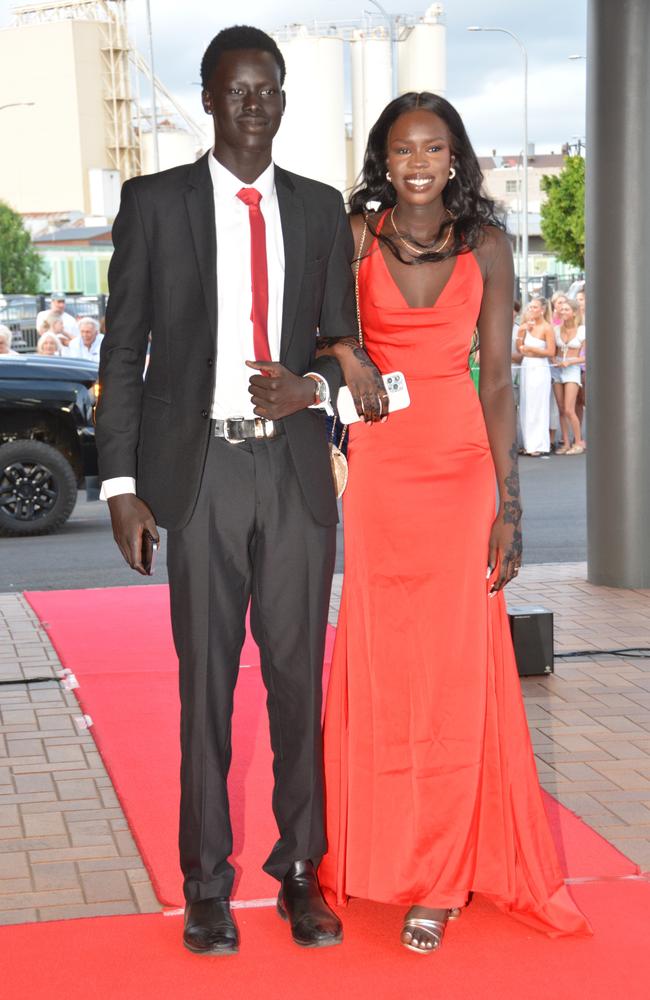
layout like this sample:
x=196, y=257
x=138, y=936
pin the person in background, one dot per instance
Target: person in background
x=554, y=420
x=58, y=307
x=536, y=344
x=48, y=345
x=516, y=358
x=570, y=342
x=6, y=336
x=52, y=322
x=581, y=401
x=87, y=345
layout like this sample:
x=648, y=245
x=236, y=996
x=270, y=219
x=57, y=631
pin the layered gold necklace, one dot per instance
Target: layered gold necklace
x=427, y=248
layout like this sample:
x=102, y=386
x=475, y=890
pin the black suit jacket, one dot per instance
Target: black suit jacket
x=163, y=279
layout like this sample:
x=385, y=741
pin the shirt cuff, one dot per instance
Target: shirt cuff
x=115, y=487
x=326, y=405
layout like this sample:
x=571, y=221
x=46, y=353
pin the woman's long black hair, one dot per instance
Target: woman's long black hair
x=462, y=196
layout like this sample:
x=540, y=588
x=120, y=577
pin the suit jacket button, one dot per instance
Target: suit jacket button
x=210, y=362
x=204, y=414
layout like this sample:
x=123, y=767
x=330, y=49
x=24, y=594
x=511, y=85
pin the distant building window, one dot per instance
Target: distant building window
x=512, y=187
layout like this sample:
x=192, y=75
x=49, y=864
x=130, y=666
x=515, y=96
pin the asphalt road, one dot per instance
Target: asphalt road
x=84, y=554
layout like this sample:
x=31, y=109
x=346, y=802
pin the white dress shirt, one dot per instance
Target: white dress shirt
x=77, y=349
x=234, y=289
x=234, y=297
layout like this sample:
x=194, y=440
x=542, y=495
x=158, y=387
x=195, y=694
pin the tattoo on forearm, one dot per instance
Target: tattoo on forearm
x=350, y=342
x=516, y=547
x=362, y=357
x=512, y=512
x=511, y=482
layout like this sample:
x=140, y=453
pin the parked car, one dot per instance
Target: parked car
x=47, y=441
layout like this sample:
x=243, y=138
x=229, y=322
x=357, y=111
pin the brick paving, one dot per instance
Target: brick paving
x=65, y=846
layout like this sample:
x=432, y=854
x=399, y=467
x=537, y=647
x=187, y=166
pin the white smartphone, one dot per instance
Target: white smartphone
x=398, y=398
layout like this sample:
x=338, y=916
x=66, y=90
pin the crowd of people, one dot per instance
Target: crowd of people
x=548, y=369
x=60, y=334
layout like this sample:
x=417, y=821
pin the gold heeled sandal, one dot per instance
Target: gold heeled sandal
x=434, y=931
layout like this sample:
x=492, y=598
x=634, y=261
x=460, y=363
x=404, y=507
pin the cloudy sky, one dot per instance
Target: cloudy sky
x=484, y=71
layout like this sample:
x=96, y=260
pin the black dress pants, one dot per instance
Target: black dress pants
x=250, y=538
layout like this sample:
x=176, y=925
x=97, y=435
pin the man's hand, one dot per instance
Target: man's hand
x=277, y=392
x=134, y=530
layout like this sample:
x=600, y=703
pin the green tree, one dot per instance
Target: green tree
x=563, y=213
x=21, y=268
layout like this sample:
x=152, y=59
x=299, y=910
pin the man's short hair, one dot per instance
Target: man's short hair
x=240, y=36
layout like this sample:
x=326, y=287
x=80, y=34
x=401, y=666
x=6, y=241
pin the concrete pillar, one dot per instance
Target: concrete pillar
x=618, y=292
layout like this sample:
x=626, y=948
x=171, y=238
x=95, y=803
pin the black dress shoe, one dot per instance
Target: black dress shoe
x=300, y=901
x=210, y=928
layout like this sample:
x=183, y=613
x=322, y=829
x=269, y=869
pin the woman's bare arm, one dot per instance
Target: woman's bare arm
x=497, y=400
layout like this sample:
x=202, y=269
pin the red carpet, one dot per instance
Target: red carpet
x=117, y=641
x=485, y=955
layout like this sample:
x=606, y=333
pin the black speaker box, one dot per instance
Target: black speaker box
x=532, y=636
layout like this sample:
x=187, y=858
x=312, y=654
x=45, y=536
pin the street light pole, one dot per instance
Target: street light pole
x=393, y=44
x=154, y=109
x=524, y=228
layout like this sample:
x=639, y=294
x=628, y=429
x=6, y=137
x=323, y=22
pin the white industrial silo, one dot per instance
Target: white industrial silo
x=175, y=147
x=371, y=85
x=423, y=54
x=311, y=140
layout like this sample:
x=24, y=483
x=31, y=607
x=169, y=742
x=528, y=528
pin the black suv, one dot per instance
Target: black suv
x=47, y=441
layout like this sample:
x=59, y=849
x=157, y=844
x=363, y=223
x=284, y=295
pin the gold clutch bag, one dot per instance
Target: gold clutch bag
x=339, y=464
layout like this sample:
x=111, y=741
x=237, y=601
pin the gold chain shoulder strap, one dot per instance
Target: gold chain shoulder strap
x=357, y=266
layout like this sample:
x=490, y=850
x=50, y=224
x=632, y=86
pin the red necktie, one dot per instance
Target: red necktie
x=259, y=273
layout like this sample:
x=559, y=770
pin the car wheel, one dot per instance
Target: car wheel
x=38, y=488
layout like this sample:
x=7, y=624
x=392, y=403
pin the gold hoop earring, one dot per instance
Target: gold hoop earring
x=388, y=177
x=452, y=173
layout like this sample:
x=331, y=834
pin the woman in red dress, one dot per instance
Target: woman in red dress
x=431, y=786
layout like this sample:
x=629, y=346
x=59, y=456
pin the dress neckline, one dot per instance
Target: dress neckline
x=399, y=291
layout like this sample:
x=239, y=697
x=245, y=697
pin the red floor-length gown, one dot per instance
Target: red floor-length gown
x=431, y=786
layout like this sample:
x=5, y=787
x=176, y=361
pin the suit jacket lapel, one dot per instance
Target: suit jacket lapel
x=292, y=215
x=199, y=199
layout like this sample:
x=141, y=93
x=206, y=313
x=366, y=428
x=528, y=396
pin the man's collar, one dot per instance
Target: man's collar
x=227, y=186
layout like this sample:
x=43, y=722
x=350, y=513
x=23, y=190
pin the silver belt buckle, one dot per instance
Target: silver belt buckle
x=226, y=430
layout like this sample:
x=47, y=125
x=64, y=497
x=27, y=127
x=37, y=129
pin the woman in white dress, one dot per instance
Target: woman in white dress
x=570, y=354
x=536, y=344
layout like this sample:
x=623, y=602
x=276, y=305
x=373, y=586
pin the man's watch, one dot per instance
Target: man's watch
x=320, y=393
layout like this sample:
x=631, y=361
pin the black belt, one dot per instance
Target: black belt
x=236, y=429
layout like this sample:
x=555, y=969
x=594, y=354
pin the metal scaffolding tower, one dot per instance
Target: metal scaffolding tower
x=124, y=114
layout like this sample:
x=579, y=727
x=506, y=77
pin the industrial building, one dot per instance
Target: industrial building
x=76, y=125
x=73, y=122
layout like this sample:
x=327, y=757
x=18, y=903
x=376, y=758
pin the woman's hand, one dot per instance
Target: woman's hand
x=505, y=546
x=362, y=378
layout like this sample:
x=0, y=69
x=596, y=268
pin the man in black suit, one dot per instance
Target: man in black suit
x=224, y=261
